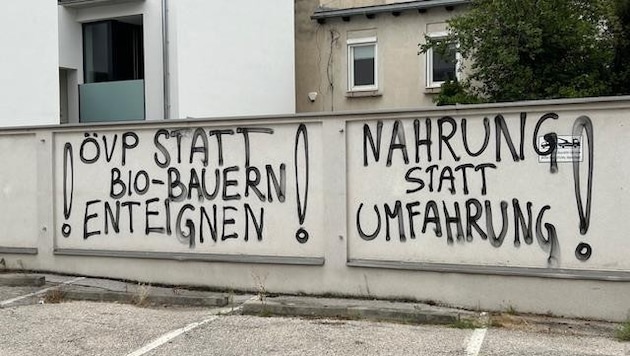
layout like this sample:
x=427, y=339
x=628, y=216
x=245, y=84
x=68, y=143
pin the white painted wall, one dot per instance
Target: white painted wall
x=234, y=58
x=435, y=183
x=252, y=215
x=71, y=57
x=74, y=165
x=70, y=39
x=29, y=75
x=18, y=185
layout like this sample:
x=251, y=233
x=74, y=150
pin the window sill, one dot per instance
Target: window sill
x=363, y=93
x=432, y=90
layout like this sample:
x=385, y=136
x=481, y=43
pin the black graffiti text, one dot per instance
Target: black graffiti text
x=201, y=145
x=228, y=183
x=436, y=179
x=189, y=223
x=451, y=141
x=460, y=221
x=92, y=149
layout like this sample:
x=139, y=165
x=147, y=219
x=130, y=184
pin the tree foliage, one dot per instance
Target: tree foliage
x=453, y=92
x=542, y=49
x=621, y=65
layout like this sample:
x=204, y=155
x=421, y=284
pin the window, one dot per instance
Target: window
x=113, y=71
x=362, y=72
x=113, y=50
x=442, y=67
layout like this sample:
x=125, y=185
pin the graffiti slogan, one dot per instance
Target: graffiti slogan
x=477, y=183
x=198, y=186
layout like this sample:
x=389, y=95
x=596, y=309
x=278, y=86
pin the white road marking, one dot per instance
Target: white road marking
x=475, y=341
x=170, y=336
x=41, y=291
x=175, y=333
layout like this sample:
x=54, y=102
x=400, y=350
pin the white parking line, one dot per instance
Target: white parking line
x=475, y=341
x=170, y=336
x=41, y=291
x=175, y=333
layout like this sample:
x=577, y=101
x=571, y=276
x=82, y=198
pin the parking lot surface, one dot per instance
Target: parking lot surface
x=37, y=323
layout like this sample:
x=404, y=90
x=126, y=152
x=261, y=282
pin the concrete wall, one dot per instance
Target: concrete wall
x=29, y=75
x=459, y=205
x=322, y=64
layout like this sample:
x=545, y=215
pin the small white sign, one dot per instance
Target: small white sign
x=568, y=149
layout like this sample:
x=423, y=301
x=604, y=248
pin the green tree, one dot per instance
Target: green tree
x=535, y=49
x=621, y=64
x=453, y=92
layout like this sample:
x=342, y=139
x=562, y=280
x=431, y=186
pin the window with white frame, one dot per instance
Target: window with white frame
x=362, y=64
x=442, y=66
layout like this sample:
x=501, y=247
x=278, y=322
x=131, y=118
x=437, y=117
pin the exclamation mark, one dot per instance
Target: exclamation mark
x=68, y=187
x=301, y=179
x=583, y=123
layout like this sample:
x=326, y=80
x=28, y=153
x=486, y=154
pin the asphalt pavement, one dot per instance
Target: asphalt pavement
x=73, y=315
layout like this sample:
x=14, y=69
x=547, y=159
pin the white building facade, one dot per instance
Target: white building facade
x=116, y=60
x=28, y=79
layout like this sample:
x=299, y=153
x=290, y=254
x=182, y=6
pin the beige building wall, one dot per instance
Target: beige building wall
x=322, y=59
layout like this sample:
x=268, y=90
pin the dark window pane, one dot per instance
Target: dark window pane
x=364, y=72
x=96, y=52
x=444, y=65
x=112, y=51
x=127, y=51
x=364, y=65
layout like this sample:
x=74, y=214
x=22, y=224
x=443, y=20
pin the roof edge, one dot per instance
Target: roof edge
x=325, y=13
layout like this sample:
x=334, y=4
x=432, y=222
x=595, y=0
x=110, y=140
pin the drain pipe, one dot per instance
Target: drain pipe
x=165, y=61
